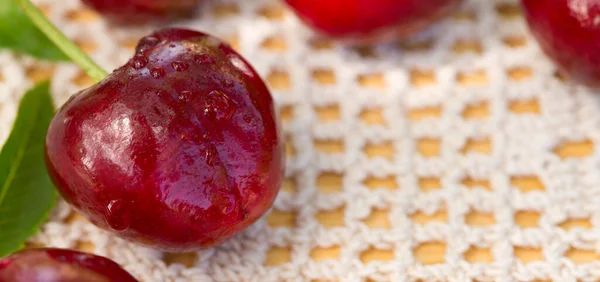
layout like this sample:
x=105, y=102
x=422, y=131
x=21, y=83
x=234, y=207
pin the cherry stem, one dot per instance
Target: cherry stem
x=72, y=51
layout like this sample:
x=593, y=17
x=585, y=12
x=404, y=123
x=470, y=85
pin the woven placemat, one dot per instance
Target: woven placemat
x=459, y=154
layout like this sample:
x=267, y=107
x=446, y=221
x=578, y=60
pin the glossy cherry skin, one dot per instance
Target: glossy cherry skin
x=179, y=149
x=45, y=265
x=569, y=33
x=139, y=11
x=368, y=21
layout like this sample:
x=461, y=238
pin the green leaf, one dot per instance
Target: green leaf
x=26, y=192
x=18, y=33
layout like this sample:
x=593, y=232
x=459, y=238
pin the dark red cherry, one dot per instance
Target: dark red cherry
x=136, y=11
x=44, y=265
x=370, y=20
x=569, y=33
x=179, y=149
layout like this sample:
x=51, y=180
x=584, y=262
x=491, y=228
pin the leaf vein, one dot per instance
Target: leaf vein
x=21, y=151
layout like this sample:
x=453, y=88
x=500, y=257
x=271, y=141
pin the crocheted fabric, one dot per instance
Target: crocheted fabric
x=457, y=155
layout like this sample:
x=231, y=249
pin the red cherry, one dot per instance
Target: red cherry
x=135, y=11
x=569, y=33
x=178, y=149
x=370, y=20
x=42, y=265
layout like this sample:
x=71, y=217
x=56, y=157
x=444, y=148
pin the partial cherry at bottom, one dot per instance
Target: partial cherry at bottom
x=46, y=265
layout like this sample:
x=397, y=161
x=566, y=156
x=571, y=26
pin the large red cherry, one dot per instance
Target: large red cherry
x=179, y=149
x=43, y=265
x=370, y=20
x=569, y=33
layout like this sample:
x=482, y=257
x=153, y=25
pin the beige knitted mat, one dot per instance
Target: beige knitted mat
x=457, y=155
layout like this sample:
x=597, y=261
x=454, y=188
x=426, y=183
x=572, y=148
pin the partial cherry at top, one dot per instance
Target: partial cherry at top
x=140, y=11
x=569, y=33
x=370, y=21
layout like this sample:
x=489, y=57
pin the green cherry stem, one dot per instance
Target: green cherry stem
x=72, y=51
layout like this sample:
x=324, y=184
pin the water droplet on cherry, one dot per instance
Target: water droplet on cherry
x=218, y=107
x=118, y=218
x=204, y=59
x=227, y=203
x=139, y=61
x=184, y=96
x=179, y=66
x=227, y=83
x=157, y=72
x=146, y=43
x=211, y=155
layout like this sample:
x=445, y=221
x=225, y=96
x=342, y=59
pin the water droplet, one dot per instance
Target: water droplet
x=211, y=155
x=204, y=59
x=157, y=72
x=184, y=96
x=138, y=61
x=218, y=106
x=227, y=203
x=67, y=119
x=146, y=43
x=227, y=83
x=179, y=66
x=117, y=217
